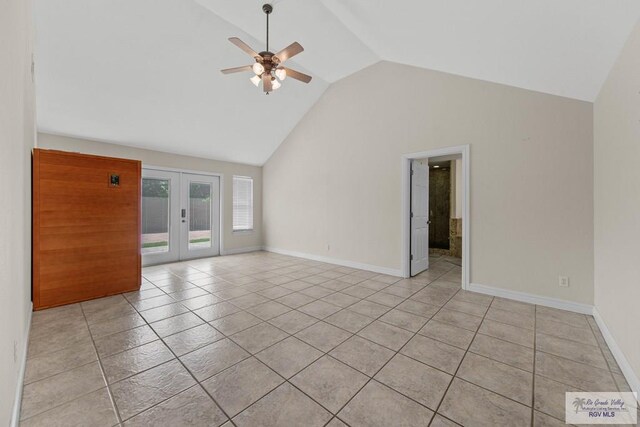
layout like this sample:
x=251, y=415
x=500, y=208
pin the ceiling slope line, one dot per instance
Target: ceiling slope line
x=365, y=44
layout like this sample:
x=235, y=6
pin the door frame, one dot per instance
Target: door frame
x=406, y=159
x=220, y=177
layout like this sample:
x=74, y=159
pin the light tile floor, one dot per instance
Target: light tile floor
x=270, y=340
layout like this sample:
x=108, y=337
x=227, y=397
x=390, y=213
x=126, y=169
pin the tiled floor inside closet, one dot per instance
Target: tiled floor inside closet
x=263, y=339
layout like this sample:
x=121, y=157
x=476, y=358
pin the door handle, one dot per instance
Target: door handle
x=184, y=215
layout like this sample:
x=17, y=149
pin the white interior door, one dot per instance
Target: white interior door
x=180, y=216
x=199, y=216
x=419, y=216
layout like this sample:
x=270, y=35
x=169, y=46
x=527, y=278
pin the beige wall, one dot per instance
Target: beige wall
x=333, y=188
x=617, y=202
x=232, y=241
x=17, y=135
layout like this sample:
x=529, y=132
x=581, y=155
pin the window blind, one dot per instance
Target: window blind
x=242, y=203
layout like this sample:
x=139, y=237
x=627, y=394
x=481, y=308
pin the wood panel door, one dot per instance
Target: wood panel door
x=86, y=227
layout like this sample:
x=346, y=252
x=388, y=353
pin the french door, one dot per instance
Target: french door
x=180, y=216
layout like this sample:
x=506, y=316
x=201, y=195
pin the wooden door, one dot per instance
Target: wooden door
x=86, y=227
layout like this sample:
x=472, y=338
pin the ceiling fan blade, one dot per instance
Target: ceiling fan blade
x=236, y=69
x=267, y=84
x=242, y=45
x=297, y=75
x=289, y=52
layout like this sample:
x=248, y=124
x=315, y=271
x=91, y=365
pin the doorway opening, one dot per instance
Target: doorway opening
x=435, y=216
x=180, y=216
x=445, y=209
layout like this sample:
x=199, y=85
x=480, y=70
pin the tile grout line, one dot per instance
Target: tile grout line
x=455, y=374
x=573, y=361
x=262, y=321
x=178, y=358
x=305, y=367
x=251, y=355
x=65, y=371
x=362, y=298
x=104, y=376
x=562, y=383
x=497, y=361
x=396, y=352
x=294, y=309
x=568, y=385
x=62, y=371
x=287, y=380
x=182, y=391
x=328, y=355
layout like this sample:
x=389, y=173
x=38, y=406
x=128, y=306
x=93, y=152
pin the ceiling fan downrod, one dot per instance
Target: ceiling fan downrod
x=267, y=9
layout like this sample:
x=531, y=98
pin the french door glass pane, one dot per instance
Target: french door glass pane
x=199, y=215
x=155, y=215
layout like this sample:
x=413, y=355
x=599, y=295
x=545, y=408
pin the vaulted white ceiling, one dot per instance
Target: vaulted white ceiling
x=146, y=73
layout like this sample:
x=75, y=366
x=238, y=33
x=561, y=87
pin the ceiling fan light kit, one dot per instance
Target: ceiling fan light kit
x=268, y=68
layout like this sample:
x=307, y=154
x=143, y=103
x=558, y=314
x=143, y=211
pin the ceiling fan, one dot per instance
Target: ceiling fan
x=268, y=68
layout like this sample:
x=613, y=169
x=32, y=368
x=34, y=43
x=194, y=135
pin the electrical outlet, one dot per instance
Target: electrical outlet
x=563, y=281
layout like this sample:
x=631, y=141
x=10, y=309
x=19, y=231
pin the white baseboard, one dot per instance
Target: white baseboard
x=17, y=402
x=241, y=250
x=625, y=366
x=343, y=263
x=532, y=299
